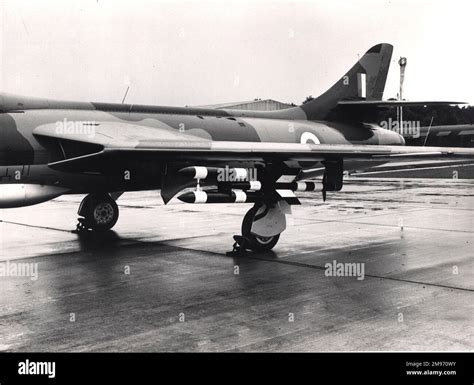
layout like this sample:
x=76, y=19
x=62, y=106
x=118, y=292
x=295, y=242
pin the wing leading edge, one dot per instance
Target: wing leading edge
x=132, y=142
x=253, y=151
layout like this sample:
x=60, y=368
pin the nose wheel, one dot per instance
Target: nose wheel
x=99, y=212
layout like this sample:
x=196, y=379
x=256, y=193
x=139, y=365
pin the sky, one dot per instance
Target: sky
x=197, y=53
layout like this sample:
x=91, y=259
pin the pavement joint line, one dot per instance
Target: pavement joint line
x=36, y=226
x=299, y=264
x=316, y=267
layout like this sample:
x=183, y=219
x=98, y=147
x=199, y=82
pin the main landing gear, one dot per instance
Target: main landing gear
x=262, y=226
x=99, y=212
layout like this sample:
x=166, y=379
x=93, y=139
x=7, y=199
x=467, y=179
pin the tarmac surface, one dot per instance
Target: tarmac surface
x=162, y=281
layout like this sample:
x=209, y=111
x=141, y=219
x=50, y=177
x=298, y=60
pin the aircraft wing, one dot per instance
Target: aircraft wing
x=124, y=141
x=256, y=151
x=112, y=134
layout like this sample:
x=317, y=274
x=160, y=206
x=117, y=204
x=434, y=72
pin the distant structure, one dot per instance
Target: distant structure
x=402, y=63
x=253, y=105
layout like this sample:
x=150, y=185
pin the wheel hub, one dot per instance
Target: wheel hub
x=103, y=213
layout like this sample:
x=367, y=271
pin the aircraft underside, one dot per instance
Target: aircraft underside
x=270, y=187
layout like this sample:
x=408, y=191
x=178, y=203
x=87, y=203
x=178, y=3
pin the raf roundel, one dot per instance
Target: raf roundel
x=309, y=137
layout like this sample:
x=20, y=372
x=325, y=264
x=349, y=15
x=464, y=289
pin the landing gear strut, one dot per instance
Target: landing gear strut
x=262, y=226
x=99, y=212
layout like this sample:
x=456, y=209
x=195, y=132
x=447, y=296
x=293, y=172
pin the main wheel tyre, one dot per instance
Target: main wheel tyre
x=257, y=242
x=101, y=212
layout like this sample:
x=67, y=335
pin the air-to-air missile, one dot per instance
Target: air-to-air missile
x=297, y=186
x=257, y=186
x=234, y=196
x=238, y=190
x=224, y=173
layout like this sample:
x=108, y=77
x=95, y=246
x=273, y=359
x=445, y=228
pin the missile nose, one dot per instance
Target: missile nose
x=188, y=197
x=188, y=171
x=196, y=172
x=197, y=196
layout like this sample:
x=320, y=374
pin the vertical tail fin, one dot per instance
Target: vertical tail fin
x=364, y=81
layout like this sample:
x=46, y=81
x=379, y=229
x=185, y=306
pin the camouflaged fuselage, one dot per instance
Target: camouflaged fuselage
x=22, y=151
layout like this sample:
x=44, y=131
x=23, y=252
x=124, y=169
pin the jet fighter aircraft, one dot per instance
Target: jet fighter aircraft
x=49, y=148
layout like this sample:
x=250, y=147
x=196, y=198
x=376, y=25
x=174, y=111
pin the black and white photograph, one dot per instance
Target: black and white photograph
x=237, y=177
